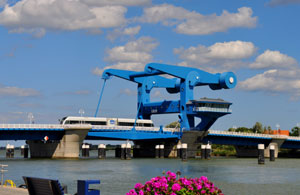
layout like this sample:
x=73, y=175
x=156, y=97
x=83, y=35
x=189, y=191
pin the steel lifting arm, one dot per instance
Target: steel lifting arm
x=196, y=77
x=149, y=82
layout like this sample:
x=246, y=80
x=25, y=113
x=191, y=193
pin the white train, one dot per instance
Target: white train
x=106, y=121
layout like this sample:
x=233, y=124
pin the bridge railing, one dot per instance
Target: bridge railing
x=293, y=138
x=127, y=128
x=30, y=126
x=104, y=127
x=248, y=134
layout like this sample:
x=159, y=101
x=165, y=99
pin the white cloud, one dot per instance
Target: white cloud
x=232, y=50
x=220, y=56
x=119, y=32
x=131, y=56
x=193, y=23
x=17, y=92
x=274, y=81
x=273, y=59
x=132, y=30
x=28, y=15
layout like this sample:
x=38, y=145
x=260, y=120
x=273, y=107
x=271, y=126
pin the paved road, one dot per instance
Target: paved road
x=12, y=191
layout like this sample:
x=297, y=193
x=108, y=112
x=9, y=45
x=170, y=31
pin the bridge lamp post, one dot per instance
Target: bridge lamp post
x=30, y=117
x=81, y=112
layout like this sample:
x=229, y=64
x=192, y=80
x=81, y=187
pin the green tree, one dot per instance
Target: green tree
x=258, y=128
x=295, y=131
x=173, y=125
x=243, y=130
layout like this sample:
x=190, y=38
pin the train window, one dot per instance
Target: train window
x=97, y=122
x=148, y=125
x=125, y=124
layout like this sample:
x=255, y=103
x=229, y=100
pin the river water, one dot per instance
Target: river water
x=231, y=175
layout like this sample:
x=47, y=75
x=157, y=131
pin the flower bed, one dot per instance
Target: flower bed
x=170, y=185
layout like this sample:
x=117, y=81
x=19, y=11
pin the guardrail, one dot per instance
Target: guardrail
x=31, y=126
x=84, y=126
x=127, y=128
x=248, y=134
x=293, y=138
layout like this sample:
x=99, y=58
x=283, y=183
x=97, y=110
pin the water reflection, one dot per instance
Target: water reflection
x=232, y=175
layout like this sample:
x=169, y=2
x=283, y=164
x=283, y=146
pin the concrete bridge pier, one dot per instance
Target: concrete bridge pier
x=67, y=147
x=276, y=142
x=193, y=139
x=251, y=151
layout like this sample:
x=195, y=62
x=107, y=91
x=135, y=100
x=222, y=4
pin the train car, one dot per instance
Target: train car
x=113, y=122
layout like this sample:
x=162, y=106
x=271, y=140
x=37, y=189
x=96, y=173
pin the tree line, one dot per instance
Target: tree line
x=257, y=128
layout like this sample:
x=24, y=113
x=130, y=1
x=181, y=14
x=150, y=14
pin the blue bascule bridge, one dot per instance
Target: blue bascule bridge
x=184, y=80
x=175, y=79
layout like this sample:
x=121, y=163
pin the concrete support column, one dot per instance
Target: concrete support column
x=161, y=151
x=128, y=151
x=85, y=150
x=123, y=151
x=157, y=151
x=101, y=151
x=67, y=147
x=184, y=148
x=10, y=151
x=203, y=150
x=261, y=155
x=272, y=153
x=208, y=151
x=24, y=151
x=179, y=154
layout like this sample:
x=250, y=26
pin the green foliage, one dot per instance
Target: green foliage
x=295, y=131
x=258, y=128
x=244, y=130
x=223, y=150
x=173, y=125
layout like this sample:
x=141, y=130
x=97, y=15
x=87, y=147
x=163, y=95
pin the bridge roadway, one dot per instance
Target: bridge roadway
x=99, y=132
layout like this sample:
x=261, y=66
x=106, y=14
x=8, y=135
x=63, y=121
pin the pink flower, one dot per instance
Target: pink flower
x=203, y=191
x=138, y=186
x=176, y=187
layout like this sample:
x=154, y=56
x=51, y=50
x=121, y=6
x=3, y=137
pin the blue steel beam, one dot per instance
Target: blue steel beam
x=129, y=135
x=236, y=140
x=196, y=77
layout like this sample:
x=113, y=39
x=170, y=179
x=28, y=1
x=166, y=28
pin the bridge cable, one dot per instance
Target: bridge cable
x=137, y=114
x=99, y=101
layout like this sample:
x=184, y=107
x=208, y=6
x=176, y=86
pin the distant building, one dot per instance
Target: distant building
x=277, y=132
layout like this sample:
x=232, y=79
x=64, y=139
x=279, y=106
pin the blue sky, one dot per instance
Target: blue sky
x=52, y=53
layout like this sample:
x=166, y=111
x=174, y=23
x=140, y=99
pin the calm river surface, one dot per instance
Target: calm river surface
x=232, y=175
